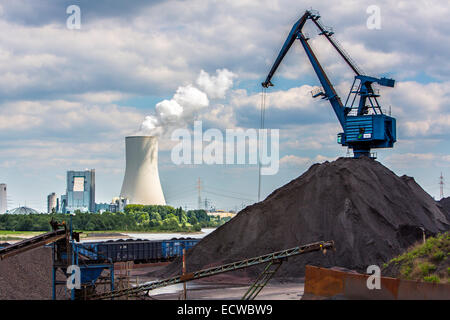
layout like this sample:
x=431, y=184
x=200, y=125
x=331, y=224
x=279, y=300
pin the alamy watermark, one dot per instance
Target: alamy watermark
x=74, y=19
x=374, y=280
x=373, y=22
x=237, y=146
x=74, y=277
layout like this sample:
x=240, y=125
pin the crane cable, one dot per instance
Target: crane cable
x=263, y=111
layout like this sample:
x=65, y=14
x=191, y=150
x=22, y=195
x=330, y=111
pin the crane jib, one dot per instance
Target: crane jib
x=375, y=129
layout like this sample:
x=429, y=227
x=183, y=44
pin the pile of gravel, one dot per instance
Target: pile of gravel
x=27, y=276
x=371, y=213
x=445, y=206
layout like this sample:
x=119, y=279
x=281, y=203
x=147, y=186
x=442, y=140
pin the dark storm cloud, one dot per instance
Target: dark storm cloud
x=43, y=12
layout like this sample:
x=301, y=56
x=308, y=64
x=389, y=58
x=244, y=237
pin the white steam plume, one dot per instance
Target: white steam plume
x=186, y=103
x=216, y=87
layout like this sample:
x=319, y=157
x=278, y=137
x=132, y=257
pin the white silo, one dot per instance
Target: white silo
x=3, y=198
x=141, y=183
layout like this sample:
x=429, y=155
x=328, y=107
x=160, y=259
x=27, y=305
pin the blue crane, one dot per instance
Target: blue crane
x=364, y=124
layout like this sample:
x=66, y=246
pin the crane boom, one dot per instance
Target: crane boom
x=364, y=124
x=286, y=46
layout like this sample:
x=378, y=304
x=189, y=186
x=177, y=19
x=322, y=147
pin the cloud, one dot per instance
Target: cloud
x=283, y=108
x=122, y=49
x=187, y=102
x=62, y=87
x=61, y=119
x=217, y=86
x=296, y=161
x=291, y=160
x=310, y=137
x=420, y=109
x=220, y=116
x=418, y=160
x=100, y=97
x=293, y=98
x=46, y=12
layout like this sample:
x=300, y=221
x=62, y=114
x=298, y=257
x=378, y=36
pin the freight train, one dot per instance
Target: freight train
x=139, y=251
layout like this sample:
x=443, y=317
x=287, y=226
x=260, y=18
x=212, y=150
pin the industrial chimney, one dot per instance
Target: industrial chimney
x=141, y=183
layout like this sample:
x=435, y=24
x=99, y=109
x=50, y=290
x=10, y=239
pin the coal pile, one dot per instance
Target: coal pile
x=445, y=206
x=371, y=213
x=27, y=276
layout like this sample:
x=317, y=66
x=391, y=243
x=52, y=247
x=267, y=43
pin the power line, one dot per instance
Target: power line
x=178, y=188
x=170, y=194
x=227, y=196
x=180, y=197
x=186, y=193
x=227, y=191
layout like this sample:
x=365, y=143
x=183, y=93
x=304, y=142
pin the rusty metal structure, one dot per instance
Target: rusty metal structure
x=326, y=283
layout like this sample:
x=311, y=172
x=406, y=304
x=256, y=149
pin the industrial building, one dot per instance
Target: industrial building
x=23, y=210
x=80, y=194
x=102, y=207
x=117, y=205
x=3, y=198
x=52, y=203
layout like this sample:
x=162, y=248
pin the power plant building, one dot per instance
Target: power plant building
x=80, y=194
x=118, y=204
x=52, y=204
x=141, y=184
x=3, y=198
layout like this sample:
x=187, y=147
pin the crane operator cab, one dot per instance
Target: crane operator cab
x=366, y=126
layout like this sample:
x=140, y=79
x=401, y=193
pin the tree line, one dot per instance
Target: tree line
x=134, y=218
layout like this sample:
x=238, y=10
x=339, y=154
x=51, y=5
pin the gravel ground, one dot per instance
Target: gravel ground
x=27, y=276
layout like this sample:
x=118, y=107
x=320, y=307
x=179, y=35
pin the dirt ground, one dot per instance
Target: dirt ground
x=228, y=286
x=212, y=291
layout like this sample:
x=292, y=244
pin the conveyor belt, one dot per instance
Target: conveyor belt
x=31, y=243
x=317, y=246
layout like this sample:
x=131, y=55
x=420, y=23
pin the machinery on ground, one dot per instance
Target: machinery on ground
x=364, y=123
x=95, y=260
x=272, y=260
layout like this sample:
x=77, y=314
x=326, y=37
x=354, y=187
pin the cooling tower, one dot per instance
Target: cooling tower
x=141, y=183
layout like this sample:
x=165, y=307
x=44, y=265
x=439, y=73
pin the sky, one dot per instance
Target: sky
x=68, y=97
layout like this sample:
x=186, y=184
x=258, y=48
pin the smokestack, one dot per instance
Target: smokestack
x=141, y=183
